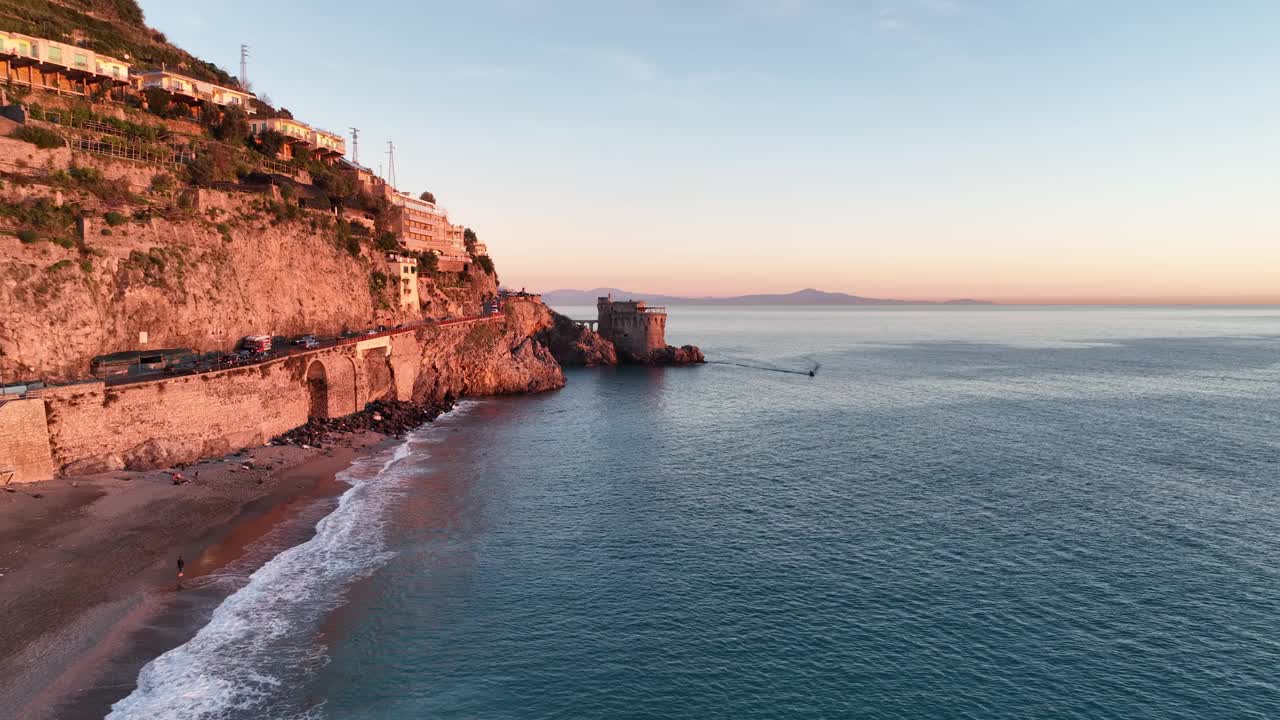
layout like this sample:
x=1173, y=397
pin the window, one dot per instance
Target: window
x=82, y=61
x=55, y=54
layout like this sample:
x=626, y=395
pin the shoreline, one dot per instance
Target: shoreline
x=87, y=564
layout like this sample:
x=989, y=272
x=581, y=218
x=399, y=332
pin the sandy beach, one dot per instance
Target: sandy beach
x=88, y=564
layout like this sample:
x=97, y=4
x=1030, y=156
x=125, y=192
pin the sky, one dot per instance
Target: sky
x=930, y=149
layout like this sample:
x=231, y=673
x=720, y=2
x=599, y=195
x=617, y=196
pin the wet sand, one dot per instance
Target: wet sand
x=88, y=565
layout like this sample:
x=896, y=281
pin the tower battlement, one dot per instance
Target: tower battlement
x=632, y=326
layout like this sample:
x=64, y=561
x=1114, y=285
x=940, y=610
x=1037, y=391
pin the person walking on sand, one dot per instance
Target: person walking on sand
x=181, y=565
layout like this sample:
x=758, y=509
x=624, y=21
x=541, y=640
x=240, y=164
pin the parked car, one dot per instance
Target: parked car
x=307, y=341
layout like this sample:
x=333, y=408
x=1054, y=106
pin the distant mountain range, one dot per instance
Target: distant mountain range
x=808, y=296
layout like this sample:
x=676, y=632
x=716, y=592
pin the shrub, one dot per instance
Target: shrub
x=115, y=219
x=85, y=175
x=59, y=265
x=162, y=182
x=86, y=266
x=353, y=246
x=106, y=231
x=40, y=137
x=387, y=242
x=27, y=236
x=485, y=263
x=213, y=164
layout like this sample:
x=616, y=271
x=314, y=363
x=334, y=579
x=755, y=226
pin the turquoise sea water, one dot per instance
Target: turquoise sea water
x=968, y=513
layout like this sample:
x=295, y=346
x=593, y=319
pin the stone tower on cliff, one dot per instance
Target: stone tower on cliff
x=634, y=328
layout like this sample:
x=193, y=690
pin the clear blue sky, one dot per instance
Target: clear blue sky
x=922, y=148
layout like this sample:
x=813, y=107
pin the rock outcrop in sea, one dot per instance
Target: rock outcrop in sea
x=575, y=345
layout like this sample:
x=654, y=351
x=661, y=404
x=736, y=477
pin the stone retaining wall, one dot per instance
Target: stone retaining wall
x=24, y=442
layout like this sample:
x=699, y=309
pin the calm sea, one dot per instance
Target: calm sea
x=967, y=513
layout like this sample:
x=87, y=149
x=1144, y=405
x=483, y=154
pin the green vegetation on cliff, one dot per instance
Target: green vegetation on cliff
x=114, y=27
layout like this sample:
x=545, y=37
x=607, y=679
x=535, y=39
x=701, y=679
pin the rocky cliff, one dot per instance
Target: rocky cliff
x=574, y=345
x=122, y=262
x=488, y=360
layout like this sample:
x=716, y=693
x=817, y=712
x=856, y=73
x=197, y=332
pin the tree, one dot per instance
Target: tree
x=269, y=143
x=469, y=239
x=158, y=101
x=337, y=185
x=230, y=126
x=427, y=196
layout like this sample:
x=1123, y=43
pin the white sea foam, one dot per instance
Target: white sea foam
x=260, y=640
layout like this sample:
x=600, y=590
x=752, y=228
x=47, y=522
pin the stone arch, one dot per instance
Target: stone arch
x=317, y=390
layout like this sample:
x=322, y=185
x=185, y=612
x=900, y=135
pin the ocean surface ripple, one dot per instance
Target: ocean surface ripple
x=968, y=513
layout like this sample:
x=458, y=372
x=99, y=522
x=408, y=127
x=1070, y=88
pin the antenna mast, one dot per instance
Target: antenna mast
x=355, y=145
x=244, y=66
x=391, y=163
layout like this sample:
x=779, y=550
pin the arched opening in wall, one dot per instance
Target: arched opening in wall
x=317, y=390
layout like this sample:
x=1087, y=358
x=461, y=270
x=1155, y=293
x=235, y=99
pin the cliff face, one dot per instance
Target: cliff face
x=576, y=346
x=485, y=359
x=201, y=276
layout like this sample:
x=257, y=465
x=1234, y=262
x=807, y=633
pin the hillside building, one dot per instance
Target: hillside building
x=404, y=274
x=422, y=226
x=302, y=139
x=198, y=95
x=61, y=67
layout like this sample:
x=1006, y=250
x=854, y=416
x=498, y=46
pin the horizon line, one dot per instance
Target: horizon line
x=1241, y=299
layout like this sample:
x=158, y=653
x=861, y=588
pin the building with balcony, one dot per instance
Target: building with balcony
x=404, y=277
x=61, y=67
x=301, y=139
x=423, y=226
x=196, y=94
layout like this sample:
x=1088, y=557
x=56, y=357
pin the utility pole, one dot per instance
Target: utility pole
x=244, y=66
x=355, y=145
x=391, y=163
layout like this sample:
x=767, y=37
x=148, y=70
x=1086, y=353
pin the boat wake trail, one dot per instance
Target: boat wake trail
x=769, y=367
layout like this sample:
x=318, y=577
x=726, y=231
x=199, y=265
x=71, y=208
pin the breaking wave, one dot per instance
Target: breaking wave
x=260, y=642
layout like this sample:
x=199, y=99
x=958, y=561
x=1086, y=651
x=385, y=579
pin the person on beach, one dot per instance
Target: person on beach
x=181, y=565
